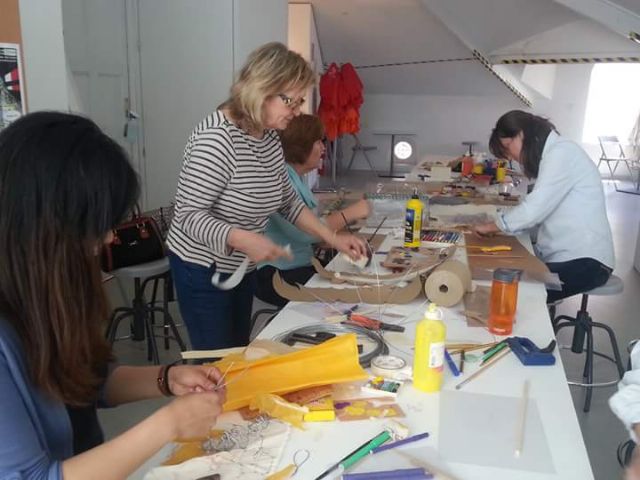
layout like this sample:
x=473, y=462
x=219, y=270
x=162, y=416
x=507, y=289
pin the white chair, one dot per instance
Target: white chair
x=360, y=148
x=612, y=152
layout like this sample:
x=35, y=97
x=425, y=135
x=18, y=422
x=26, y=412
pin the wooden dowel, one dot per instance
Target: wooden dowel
x=524, y=403
x=484, y=368
x=222, y=352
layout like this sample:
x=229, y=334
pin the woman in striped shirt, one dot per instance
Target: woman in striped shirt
x=233, y=177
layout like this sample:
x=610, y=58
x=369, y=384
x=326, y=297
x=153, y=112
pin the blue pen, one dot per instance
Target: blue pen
x=452, y=366
x=399, y=443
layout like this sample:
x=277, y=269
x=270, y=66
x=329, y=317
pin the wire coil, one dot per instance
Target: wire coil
x=381, y=347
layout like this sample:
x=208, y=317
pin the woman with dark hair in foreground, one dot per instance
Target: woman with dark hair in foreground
x=566, y=205
x=64, y=185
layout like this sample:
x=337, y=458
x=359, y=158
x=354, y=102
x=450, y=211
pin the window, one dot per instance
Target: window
x=613, y=104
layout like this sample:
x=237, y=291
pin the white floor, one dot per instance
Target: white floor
x=602, y=431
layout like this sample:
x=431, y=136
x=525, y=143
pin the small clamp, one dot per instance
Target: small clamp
x=529, y=354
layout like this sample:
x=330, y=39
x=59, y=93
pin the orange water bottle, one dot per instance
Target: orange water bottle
x=504, y=300
x=467, y=165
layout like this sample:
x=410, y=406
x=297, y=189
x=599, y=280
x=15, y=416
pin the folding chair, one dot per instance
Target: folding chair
x=358, y=147
x=612, y=152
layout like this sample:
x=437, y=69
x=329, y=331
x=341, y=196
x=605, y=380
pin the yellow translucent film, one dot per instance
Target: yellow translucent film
x=278, y=407
x=334, y=361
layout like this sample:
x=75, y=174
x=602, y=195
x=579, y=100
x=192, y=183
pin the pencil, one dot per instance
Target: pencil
x=346, y=223
x=484, y=368
x=498, y=348
x=494, y=345
x=461, y=361
x=377, y=228
x=524, y=403
x=398, y=443
x=355, y=455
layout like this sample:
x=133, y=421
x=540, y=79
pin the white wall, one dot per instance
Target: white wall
x=303, y=39
x=44, y=56
x=255, y=23
x=443, y=122
x=190, y=52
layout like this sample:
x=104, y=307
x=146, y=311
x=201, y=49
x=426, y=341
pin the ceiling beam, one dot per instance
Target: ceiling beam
x=517, y=88
x=546, y=59
x=607, y=13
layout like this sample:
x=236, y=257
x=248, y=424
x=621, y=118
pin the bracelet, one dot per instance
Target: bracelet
x=163, y=379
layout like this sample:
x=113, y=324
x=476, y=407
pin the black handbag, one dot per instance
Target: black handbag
x=134, y=242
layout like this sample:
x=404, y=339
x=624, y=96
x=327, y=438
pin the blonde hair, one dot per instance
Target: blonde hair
x=269, y=70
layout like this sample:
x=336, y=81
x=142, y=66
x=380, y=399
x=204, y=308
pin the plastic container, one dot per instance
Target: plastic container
x=428, y=357
x=501, y=172
x=504, y=300
x=413, y=221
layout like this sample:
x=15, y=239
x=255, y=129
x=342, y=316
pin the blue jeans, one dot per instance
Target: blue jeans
x=214, y=318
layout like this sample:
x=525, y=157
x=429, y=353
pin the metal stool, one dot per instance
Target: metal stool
x=269, y=313
x=143, y=312
x=583, y=325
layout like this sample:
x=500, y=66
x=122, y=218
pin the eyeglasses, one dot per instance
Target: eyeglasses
x=290, y=102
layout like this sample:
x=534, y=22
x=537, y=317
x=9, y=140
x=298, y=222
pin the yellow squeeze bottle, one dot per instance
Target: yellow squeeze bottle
x=428, y=357
x=413, y=221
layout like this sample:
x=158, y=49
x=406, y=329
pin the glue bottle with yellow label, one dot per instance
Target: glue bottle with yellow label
x=428, y=357
x=413, y=221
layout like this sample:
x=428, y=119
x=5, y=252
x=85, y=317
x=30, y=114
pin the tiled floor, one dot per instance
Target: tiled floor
x=602, y=431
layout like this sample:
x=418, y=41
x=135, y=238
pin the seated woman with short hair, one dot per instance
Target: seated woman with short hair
x=302, y=142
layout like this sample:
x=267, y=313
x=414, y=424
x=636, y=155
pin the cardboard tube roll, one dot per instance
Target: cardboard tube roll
x=448, y=283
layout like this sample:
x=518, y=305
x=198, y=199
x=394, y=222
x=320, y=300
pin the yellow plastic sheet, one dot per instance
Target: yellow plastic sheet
x=278, y=407
x=334, y=361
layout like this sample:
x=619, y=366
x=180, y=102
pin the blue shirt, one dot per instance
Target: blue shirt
x=281, y=232
x=35, y=430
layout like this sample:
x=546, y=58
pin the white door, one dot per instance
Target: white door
x=186, y=69
x=96, y=50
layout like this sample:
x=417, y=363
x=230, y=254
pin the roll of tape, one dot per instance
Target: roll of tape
x=390, y=366
x=447, y=284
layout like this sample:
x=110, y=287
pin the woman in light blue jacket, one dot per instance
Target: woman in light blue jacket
x=566, y=204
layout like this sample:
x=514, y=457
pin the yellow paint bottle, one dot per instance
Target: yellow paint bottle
x=428, y=356
x=413, y=221
x=501, y=172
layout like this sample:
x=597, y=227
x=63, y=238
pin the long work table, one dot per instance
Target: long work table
x=472, y=431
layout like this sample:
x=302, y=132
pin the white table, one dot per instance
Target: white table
x=329, y=442
x=558, y=426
